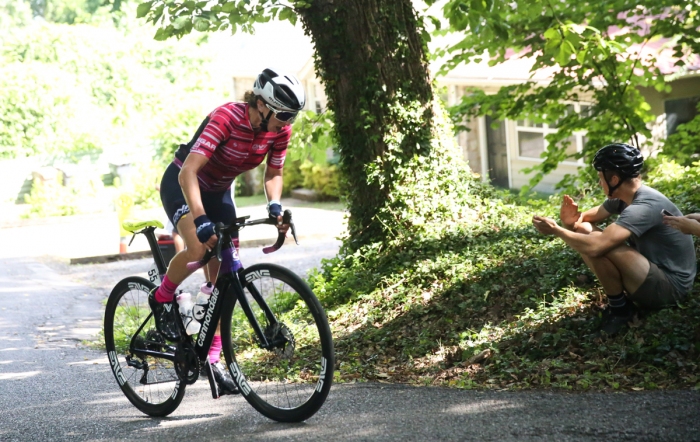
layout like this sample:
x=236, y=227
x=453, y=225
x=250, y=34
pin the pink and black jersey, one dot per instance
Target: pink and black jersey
x=228, y=140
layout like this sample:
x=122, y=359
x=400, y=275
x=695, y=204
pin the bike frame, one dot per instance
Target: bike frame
x=228, y=289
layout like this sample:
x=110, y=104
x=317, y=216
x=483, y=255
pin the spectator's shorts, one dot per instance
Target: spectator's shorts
x=656, y=291
x=218, y=206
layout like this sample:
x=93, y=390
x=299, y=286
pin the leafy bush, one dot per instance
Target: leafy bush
x=684, y=145
x=323, y=178
x=293, y=178
x=84, y=194
x=112, y=90
x=307, y=162
x=487, y=302
x=146, y=184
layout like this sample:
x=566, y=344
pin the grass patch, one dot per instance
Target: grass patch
x=254, y=200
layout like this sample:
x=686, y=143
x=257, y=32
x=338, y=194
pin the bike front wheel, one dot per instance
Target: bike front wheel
x=148, y=381
x=289, y=379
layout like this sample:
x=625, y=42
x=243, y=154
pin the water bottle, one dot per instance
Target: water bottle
x=184, y=300
x=201, y=302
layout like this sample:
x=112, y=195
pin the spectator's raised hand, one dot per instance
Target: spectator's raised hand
x=568, y=212
x=544, y=225
x=687, y=224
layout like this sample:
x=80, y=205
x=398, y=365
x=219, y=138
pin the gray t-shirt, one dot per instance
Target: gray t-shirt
x=668, y=248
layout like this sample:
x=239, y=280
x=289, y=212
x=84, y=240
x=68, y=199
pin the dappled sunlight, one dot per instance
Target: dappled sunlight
x=96, y=361
x=117, y=398
x=482, y=406
x=496, y=309
x=183, y=422
x=18, y=376
x=50, y=329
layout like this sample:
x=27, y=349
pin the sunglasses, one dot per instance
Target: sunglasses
x=283, y=116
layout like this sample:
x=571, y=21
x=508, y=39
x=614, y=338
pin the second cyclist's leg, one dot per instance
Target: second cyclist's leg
x=226, y=212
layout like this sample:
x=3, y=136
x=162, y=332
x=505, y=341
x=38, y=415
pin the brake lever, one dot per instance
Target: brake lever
x=287, y=219
x=219, y=241
x=294, y=232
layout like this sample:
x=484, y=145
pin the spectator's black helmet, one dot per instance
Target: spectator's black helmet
x=622, y=158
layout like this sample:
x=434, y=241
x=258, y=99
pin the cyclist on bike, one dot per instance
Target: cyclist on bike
x=196, y=186
x=656, y=269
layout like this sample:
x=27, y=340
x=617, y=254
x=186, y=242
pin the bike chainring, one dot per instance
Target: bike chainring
x=186, y=363
x=281, y=340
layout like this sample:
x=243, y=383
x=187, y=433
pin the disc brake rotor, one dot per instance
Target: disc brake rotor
x=282, y=340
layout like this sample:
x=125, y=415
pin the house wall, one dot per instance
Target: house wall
x=681, y=88
x=518, y=178
x=474, y=147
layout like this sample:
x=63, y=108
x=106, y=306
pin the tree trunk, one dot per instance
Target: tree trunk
x=372, y=61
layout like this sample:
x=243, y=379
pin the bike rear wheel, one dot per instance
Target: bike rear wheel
x=289, y=381
x=150, y=383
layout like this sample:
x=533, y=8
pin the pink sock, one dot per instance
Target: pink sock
x=215, y=350
x=166, y=291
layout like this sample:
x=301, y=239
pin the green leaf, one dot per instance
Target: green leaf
x=565, y=51
x=157, y=14
x=436, y=22
x=581, y=56
x=287, y=14
x=161, y=35
x=201, y=24
x=143, y=9
x=181, y=21
x=228, y=7
x=552, y=33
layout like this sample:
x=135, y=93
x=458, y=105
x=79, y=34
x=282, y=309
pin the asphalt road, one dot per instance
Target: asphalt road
x=52, y=388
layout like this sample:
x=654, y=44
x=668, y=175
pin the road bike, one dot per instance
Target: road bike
x=277, y=343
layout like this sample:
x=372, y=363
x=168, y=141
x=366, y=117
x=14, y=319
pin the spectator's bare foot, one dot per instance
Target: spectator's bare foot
x=568, y=213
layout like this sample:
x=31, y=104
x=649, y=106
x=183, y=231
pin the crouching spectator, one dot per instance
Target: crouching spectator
x=639, y=259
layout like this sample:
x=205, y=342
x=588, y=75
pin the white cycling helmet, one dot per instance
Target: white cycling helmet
x=282, y=91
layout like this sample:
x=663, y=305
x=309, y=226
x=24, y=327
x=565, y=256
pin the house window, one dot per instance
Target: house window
x=680, y=112
x=531, y=136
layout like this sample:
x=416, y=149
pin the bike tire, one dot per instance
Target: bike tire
x=156, y=389
x=291, y=382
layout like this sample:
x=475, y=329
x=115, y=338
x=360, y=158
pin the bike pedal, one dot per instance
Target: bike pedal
x=212, y=382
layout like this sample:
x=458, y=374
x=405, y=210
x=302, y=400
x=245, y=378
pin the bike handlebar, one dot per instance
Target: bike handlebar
x=238, y=224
